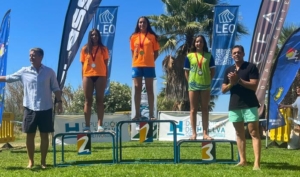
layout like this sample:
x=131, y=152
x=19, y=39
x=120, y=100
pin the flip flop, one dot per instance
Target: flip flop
x=152, y=118
x=193, y=138
x=136, y=119
x=208, y=138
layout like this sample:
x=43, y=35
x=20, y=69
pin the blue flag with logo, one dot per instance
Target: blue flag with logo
x=105, y=21
x=283, y=75
x=4, y=35
x=224, y=33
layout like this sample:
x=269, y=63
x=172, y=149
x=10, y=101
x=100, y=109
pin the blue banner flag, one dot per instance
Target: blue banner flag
x=105, y=21
x=224, y=33
x=78, y=17
x=4, y=35
x=284, y=73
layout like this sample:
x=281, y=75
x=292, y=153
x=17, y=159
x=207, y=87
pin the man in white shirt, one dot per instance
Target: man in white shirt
x=296, y=104
x=39, y=82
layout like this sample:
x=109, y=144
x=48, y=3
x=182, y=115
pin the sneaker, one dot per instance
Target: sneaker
x=100, y=129
x=297, y=122
x=86, y=129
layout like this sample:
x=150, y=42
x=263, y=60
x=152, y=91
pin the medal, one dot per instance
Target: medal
x=93, y=65
x=200, y=72
x=142, y=43
x=200, y=63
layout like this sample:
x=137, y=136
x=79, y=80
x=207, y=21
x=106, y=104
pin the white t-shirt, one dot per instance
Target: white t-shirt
x=296, y=104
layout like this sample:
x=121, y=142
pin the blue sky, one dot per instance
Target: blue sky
x=38, y=23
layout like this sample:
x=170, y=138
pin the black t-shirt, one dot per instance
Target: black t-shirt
x=241, y=97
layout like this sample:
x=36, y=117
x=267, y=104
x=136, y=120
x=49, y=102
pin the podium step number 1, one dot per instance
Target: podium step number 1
x=146, y=132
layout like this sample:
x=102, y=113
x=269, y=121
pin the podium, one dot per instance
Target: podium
x=208, y=151
x=119, y=151
x=74, y=162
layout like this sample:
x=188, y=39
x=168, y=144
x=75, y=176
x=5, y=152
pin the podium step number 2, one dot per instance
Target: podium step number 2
x=84, y=144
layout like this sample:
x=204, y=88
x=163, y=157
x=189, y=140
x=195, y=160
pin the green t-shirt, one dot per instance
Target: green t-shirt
x=199, y=78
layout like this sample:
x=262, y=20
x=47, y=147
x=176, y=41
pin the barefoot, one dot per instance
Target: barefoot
x=256, y=168
x=241, y=164
x=193, y=137
x=30, y=164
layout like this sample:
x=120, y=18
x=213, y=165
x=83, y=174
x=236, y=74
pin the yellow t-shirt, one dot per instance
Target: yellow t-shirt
x=143, y=56
x=87, y=60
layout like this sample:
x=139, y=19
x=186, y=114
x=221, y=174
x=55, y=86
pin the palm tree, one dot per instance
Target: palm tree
x=183, y=20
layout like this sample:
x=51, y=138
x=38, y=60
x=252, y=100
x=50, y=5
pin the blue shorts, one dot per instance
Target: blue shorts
x=146, y=72
x=244, y=115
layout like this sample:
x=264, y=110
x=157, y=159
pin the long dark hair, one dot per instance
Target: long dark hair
x=149, y=29
x=193, y=47
x=89, y=46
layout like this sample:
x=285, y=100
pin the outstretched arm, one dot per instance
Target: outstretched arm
x=2, y=78
x=285, y=106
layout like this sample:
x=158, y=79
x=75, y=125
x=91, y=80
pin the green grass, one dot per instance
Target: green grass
x=274, y=162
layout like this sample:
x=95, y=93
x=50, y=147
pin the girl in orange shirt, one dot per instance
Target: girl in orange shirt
x=94, y=58
x=144, y=48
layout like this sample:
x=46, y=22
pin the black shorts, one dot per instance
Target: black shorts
x=41, y=119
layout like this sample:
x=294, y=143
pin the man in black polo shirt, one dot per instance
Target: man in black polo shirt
x=241, y=80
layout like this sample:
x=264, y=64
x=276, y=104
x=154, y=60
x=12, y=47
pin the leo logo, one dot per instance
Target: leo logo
x=226, y=26
x=83, y=144
x=278, y=94
x=106, y=17
x=226, y=16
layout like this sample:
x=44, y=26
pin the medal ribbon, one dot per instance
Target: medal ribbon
x=199, y=62
x=142, y=42
x=94, y=55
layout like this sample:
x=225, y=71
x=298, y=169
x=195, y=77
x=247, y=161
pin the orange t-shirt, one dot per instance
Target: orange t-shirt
x=149, y=46
x=87, y=60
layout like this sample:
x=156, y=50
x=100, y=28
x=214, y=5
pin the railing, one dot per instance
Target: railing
x=7, y=128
